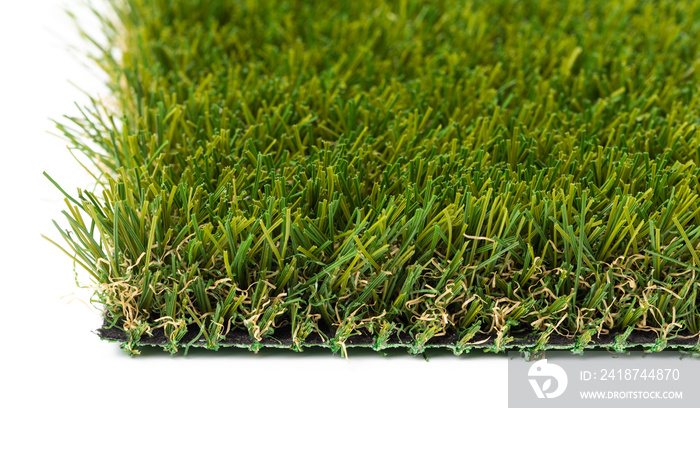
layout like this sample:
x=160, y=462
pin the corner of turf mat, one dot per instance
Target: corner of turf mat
x=468, y=175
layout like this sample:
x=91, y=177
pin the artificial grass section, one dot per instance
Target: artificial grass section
x=394, y=172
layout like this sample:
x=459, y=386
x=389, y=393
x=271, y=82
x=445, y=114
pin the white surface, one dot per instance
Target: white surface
x=68, y=398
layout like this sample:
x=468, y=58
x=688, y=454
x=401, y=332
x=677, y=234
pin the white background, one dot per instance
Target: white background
x=68, y=398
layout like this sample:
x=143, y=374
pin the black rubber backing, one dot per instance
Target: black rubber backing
x=282, y=338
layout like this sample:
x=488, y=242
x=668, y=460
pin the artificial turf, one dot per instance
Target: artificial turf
x=397, y=173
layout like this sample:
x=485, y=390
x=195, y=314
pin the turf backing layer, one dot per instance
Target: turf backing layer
x=482, y=173
x=238, y=338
